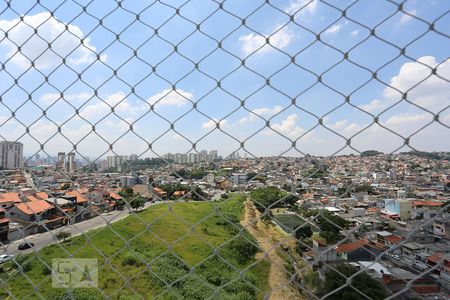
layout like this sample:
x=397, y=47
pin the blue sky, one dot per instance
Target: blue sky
x=163, y=63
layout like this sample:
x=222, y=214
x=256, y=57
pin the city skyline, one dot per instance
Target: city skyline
x=283, y=93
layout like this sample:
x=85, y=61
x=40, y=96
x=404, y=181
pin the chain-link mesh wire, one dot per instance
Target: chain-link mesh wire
x=92, y=81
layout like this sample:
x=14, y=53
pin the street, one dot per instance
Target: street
x=44, y=239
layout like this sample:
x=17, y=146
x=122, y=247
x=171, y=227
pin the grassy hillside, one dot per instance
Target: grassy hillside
x=134, y=258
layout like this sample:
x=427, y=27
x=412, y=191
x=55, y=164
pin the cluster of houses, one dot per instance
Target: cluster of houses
x=29, y=211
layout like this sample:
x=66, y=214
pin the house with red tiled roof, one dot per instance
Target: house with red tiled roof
x=161, y=194
x=83, y=209
x=360, y=250
x=4, y=225
x=392, y=240
x=425, y=209
x=41, y=195
x=31, y=198
x=28, y=211
x=79, y=197
x=444, y=261
x=9, y=199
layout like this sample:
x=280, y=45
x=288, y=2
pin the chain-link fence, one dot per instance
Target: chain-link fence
x=325, y=175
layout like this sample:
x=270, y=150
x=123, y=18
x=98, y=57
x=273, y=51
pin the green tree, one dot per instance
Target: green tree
x=199, y=195
x=197, y=174
x=268, y=197
x=303, y=232
x=330, y=226
x=137, y=202
x=360, y=284
x=63, y=235
x=120, y=203
x=126, y=192
x=243, y=249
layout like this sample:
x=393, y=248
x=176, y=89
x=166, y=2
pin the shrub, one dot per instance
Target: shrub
x=242, y=249
x=63, y=235
x=131, y=260
x=22, y=262
x=46, y=270
x=75, y=294
x=194, y=287
x=169, y=268
x=239, y=286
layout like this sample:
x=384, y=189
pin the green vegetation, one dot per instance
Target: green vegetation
x=289, y=222
x=330, y=226
x=189, y=174
x=429, y=155
x=196, y=193
x=364, y=188
x=303, y=232
x=271, y=197
x=63, y=235
x=133, y=199
x=370, y=153
x=137, y=250
x=361, y=284
x=151, y=162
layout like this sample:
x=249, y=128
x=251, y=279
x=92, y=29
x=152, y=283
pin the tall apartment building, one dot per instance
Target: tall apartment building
x=11, y=155
x=193, y=158
x=203, y=155
x=213, y=154
x=61, y=164
x=72, y=163
x=116, y=161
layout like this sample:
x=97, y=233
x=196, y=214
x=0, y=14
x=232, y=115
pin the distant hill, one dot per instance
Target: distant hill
x=429, y=155
x=370, y=153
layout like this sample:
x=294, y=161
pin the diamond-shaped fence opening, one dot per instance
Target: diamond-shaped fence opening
x=227, y=149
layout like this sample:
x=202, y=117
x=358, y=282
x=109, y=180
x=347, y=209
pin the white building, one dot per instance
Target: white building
x=116, y=161
x=239, y=178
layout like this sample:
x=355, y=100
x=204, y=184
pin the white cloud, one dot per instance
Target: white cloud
x=430, y=92
x=263, y=112
x=171, y=97
x=407, y=120
x=287, y=127
x=345, y=128
x=405, y=17
x=302, y=6
x=211, y=124
x=354, y=33
x=100, y=108
x=52, y=97
x=334, y=29
x=280, y=39
x=34, y=47
x=373, y=106
x=177, y=137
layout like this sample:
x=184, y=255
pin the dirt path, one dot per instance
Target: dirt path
x=278, y=279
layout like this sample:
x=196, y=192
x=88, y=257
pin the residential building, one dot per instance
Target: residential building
x=398, y=208
x=11, y=155
x=61, y=165
x=238, y=178
x=72, y=163
x=423, y=209
x=442, y=228
x=4, y=225
x=360, y=250
x=116, y=162
x=31, y=211
x=410, y=250
x=8, y=200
